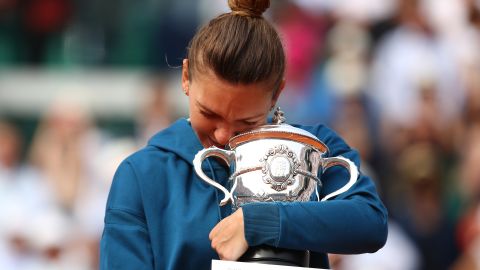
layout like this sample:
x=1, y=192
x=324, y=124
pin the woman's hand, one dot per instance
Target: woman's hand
x=228, y=237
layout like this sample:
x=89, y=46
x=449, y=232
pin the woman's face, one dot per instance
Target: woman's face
x=220, y=110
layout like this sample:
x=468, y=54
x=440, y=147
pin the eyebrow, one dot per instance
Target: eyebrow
x=207, y=110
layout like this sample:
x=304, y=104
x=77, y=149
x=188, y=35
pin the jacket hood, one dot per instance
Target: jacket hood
x=178, y=138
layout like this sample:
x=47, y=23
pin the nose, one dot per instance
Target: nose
x=223, y=134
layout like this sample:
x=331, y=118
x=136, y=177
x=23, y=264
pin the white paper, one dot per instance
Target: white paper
x=229, y=265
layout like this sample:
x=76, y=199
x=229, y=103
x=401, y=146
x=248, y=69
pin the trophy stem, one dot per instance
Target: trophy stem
x=277, y=256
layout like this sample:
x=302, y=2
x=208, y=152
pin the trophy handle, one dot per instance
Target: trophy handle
x=349, y=165
x=225, y=155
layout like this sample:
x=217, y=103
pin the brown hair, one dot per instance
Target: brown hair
x=240, y=46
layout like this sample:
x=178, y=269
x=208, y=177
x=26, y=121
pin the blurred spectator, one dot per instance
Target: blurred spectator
x=65, y=150
x=156, y=110
x=468, y=230
x=421, y=208
x=24, y=201
x=303, y=34
x=354, y=123
x=405, y=59
x=418, y=85
x=18, y=181
x=61, y=147
x=10, y=150
x=343, y=76
x=471, y=112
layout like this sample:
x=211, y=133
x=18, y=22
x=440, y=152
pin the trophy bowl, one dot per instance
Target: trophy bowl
x=275, y=162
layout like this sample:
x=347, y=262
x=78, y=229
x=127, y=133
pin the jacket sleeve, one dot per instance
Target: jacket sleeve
x=352, y=222
x=125, y=242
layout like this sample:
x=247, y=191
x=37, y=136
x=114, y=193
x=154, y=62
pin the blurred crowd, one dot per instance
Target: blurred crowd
x=398, y=79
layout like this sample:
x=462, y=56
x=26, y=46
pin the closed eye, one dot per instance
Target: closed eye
x=208, y=114
x=249, y=123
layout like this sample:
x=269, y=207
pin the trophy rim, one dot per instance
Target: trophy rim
x=266, y=132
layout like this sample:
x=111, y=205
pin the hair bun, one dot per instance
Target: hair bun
x=253, y=8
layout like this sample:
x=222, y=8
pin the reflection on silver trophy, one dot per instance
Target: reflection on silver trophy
x=275, y=162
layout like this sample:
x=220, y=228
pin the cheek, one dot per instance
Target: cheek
x=202, y=126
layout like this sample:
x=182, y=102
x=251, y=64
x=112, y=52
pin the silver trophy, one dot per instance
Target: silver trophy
x=275, y=162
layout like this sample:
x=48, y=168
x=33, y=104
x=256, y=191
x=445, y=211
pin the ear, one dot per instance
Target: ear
x=185, y=78
x=277, y=93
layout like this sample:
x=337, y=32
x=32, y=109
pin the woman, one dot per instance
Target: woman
x=160, y=215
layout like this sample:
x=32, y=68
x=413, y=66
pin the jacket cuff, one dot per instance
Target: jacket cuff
x=261, y=223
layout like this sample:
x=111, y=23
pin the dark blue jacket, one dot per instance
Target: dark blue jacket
x=159, y=213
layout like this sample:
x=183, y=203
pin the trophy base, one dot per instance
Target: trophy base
x=277, y=256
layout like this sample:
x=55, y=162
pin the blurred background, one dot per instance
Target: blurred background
x=83, y=83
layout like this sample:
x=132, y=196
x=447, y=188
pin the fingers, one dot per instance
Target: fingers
x=228, y=237
x=227, y=225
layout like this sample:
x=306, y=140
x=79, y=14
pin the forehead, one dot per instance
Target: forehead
x=209, y=77
x=222, y=97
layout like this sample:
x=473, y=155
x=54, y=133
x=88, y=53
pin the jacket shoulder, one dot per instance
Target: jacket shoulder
x=133, y=173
